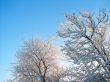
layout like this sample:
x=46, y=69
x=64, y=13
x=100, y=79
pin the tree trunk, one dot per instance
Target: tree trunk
x=43, y=79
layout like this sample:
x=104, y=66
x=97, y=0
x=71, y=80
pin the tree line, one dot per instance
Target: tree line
x=86, y=46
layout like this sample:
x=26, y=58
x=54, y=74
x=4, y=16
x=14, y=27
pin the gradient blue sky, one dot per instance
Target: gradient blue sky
x=22, y=19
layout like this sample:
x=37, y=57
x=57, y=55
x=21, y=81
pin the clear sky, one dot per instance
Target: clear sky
x=22, y=19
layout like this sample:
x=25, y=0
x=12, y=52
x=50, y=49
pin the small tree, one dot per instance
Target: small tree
x=35, y=61
x=86, y=43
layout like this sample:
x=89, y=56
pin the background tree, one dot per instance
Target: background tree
x=36, y=61
x=86, y=43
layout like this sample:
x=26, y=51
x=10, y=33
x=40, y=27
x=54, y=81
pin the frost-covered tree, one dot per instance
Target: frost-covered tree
x=36, y=61
x=86, y=43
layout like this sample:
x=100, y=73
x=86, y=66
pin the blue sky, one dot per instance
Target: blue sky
x=22, y=19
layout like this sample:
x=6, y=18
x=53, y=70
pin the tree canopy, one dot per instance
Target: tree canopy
x=86, y=44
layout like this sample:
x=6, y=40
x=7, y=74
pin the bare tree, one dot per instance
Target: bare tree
x=35, y=61
x=86, y=43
